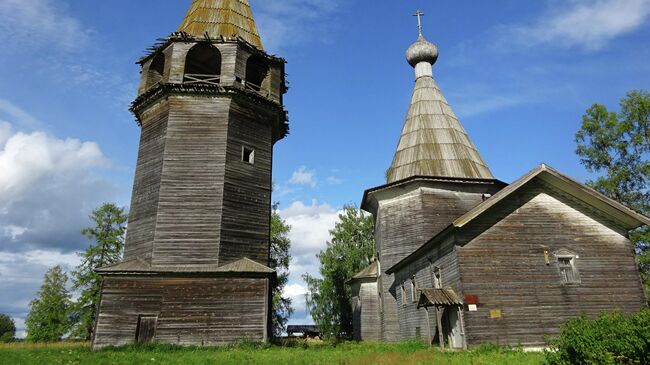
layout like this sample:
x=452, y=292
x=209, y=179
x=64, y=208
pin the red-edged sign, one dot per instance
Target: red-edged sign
x=471, y=299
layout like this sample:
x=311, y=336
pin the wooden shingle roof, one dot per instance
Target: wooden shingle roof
x=431, y=297
x=370, y=272
x=433, y=141
x=222, y=18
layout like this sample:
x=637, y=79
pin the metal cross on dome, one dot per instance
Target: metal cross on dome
x=419, y=14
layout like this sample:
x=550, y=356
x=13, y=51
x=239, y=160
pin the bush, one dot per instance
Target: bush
x=7, y=328
x=611, y=338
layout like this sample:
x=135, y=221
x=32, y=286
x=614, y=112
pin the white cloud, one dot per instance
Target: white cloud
x=27, y=158
x=42, y=23
x=290, y=22
x=302, y=176
x=296, y=292
x=310, y=226
x=588, y=23
x=47, y=188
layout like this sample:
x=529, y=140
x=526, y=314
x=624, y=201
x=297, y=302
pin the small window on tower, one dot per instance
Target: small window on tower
x=248, y=155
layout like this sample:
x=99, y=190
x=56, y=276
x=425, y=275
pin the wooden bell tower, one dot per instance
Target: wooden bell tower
x=195, y=265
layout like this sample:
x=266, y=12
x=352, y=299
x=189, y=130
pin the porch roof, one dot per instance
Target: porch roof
x=444, y=297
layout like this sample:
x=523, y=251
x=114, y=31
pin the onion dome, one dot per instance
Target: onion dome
x=422, y=51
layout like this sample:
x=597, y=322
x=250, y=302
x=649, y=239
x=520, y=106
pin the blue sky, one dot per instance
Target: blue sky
x=518, y=74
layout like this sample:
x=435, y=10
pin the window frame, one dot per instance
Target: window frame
x=414, y=289
x=251, y=155
x=403, y=294
x=563, y=267
x=436, y=276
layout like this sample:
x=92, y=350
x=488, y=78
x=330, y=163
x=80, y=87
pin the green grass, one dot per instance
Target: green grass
x=407, y=353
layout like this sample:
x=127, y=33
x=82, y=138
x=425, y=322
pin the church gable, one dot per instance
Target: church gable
x=548, y=258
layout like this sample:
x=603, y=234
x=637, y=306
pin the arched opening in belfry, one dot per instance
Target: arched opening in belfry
x=156, y=70
x=257, y=72
x=203, y=65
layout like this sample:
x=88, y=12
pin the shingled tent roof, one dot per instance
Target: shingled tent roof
x=433, y=142
x=222, y=18
x=370, y=272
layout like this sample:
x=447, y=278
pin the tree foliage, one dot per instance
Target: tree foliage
x=616, y=146
x=611, y=338
x=47, y=320
x=280, y=259
x=349, y=251
x=107, y=247
x=7, y=328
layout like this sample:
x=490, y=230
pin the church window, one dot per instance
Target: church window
x=414, y=289
x=403, y=294
x=437, y=278
x=202, y=65
x=568, y=271
x=248, y=155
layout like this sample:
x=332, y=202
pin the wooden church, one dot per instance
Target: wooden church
x=195, y=269
x=463, y=258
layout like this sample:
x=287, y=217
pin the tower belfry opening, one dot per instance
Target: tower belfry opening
x=203, y=64
x=195, y=267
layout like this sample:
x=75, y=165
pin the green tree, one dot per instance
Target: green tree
x=48, y=314
x=107, y=247
x=7, y=328
x=279, y=261
x=350, y=250
x=616, y=146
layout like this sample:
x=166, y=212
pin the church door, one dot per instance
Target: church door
x=453, y=328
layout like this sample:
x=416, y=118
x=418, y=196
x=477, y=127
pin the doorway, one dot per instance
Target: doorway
x=146, y=330
x=452, y=327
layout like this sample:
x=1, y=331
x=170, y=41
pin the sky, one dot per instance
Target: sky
x=519, y=75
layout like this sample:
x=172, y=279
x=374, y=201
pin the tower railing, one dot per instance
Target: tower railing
x=201, y=79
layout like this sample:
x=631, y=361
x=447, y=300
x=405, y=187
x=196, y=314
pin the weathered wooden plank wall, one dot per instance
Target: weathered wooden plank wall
x=190, y=310
x=246, y=219
x=365, y=302
x=410, y=317
x=504, y=265
x=146, y=194
x=406, y=222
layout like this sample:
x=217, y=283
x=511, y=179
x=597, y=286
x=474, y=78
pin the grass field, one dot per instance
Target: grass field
x=347, y=353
